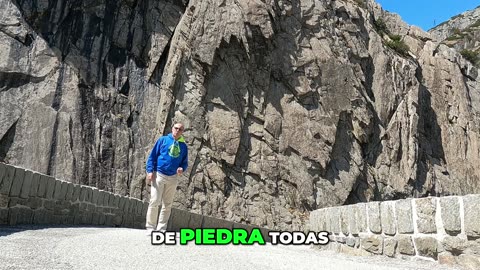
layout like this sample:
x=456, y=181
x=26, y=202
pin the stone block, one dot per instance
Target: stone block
x=83, y=207
x=426, y=210
x=454, y=244
x=64, y=189
x=121, y=203
x=61, y=208
x=42, y=186
x=89, y=195
x=106, y=198
x=50, y=187
x=372, y=244
x=126, y=205
x=101, y=194
x=473, y=248
x=88, y=217
x=69, y=194
x=133, y=206
x=344, y=213
x=403, y=210
x=195, y=221
x=471, y=204
x=34, y=185
x=39, y=216
x=350, y=241
x=20, y=215
x=76, y=192
x=405, y=244
x=77, y=219
x=469, y=261
x=60, y=190
x=14, y=201
x=111, y=201
x=95, y=218
x=17, y=182
x=57, y=189
x=49, y=217
x=74, y=209
x=332, y=237
x=315, y=220
x=57, y=219
x=34, y=203
x=27, y=184
x=4, y=216
x=95, y=194
x=446, y=258
x=178, y=220
x=13, y=216
x=334, y=214
x=116, y=201
x=427, y=246
x=340, y=239
x=91, y=207
x=109, y=220
x=83, y=193
x=361, y=217
x=351, y=219
x=7, y=179
x=4, y=201
x=49, y=204
x=128, y=221
x=374, y=220
x=25, y=216
x=387, y=218
x=145, y=208
x=138, y=206
x=328, y=220
x=117, y=220
x=68, y=220
x=390, y=246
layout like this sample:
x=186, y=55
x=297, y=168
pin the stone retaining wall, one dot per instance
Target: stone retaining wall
x=445, y=229
x=28, y=197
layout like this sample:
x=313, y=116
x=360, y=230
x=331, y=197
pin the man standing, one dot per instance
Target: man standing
x=167, y=161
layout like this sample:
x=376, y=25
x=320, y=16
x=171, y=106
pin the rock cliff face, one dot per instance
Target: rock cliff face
x=461, y=31
x=289, y=106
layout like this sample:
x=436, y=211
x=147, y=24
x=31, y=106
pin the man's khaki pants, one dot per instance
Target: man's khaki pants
x=162, y=191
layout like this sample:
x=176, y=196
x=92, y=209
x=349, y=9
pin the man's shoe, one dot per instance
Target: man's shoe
x=149, y=232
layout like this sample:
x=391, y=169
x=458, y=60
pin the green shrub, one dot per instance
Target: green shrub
x=396, y=43
x=476, y=24
x=381, y=27
x=361, y=3
x=453, y=37
x=457, y=34
x=471, y=56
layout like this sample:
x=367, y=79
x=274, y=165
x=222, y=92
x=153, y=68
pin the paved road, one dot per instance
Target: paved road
x=28, y=247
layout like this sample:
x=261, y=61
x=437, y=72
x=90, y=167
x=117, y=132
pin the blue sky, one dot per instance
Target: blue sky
x=424, y=13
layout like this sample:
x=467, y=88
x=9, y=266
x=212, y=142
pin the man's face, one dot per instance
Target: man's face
x=177, y=130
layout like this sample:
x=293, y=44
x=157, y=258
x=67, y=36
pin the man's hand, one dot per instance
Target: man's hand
x=149, y=178
x=180, y=171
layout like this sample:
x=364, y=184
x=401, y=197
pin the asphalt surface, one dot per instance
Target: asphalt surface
x=30, y=247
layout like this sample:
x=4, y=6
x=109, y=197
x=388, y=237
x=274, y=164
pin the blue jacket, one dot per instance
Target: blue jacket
x=168, y=155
